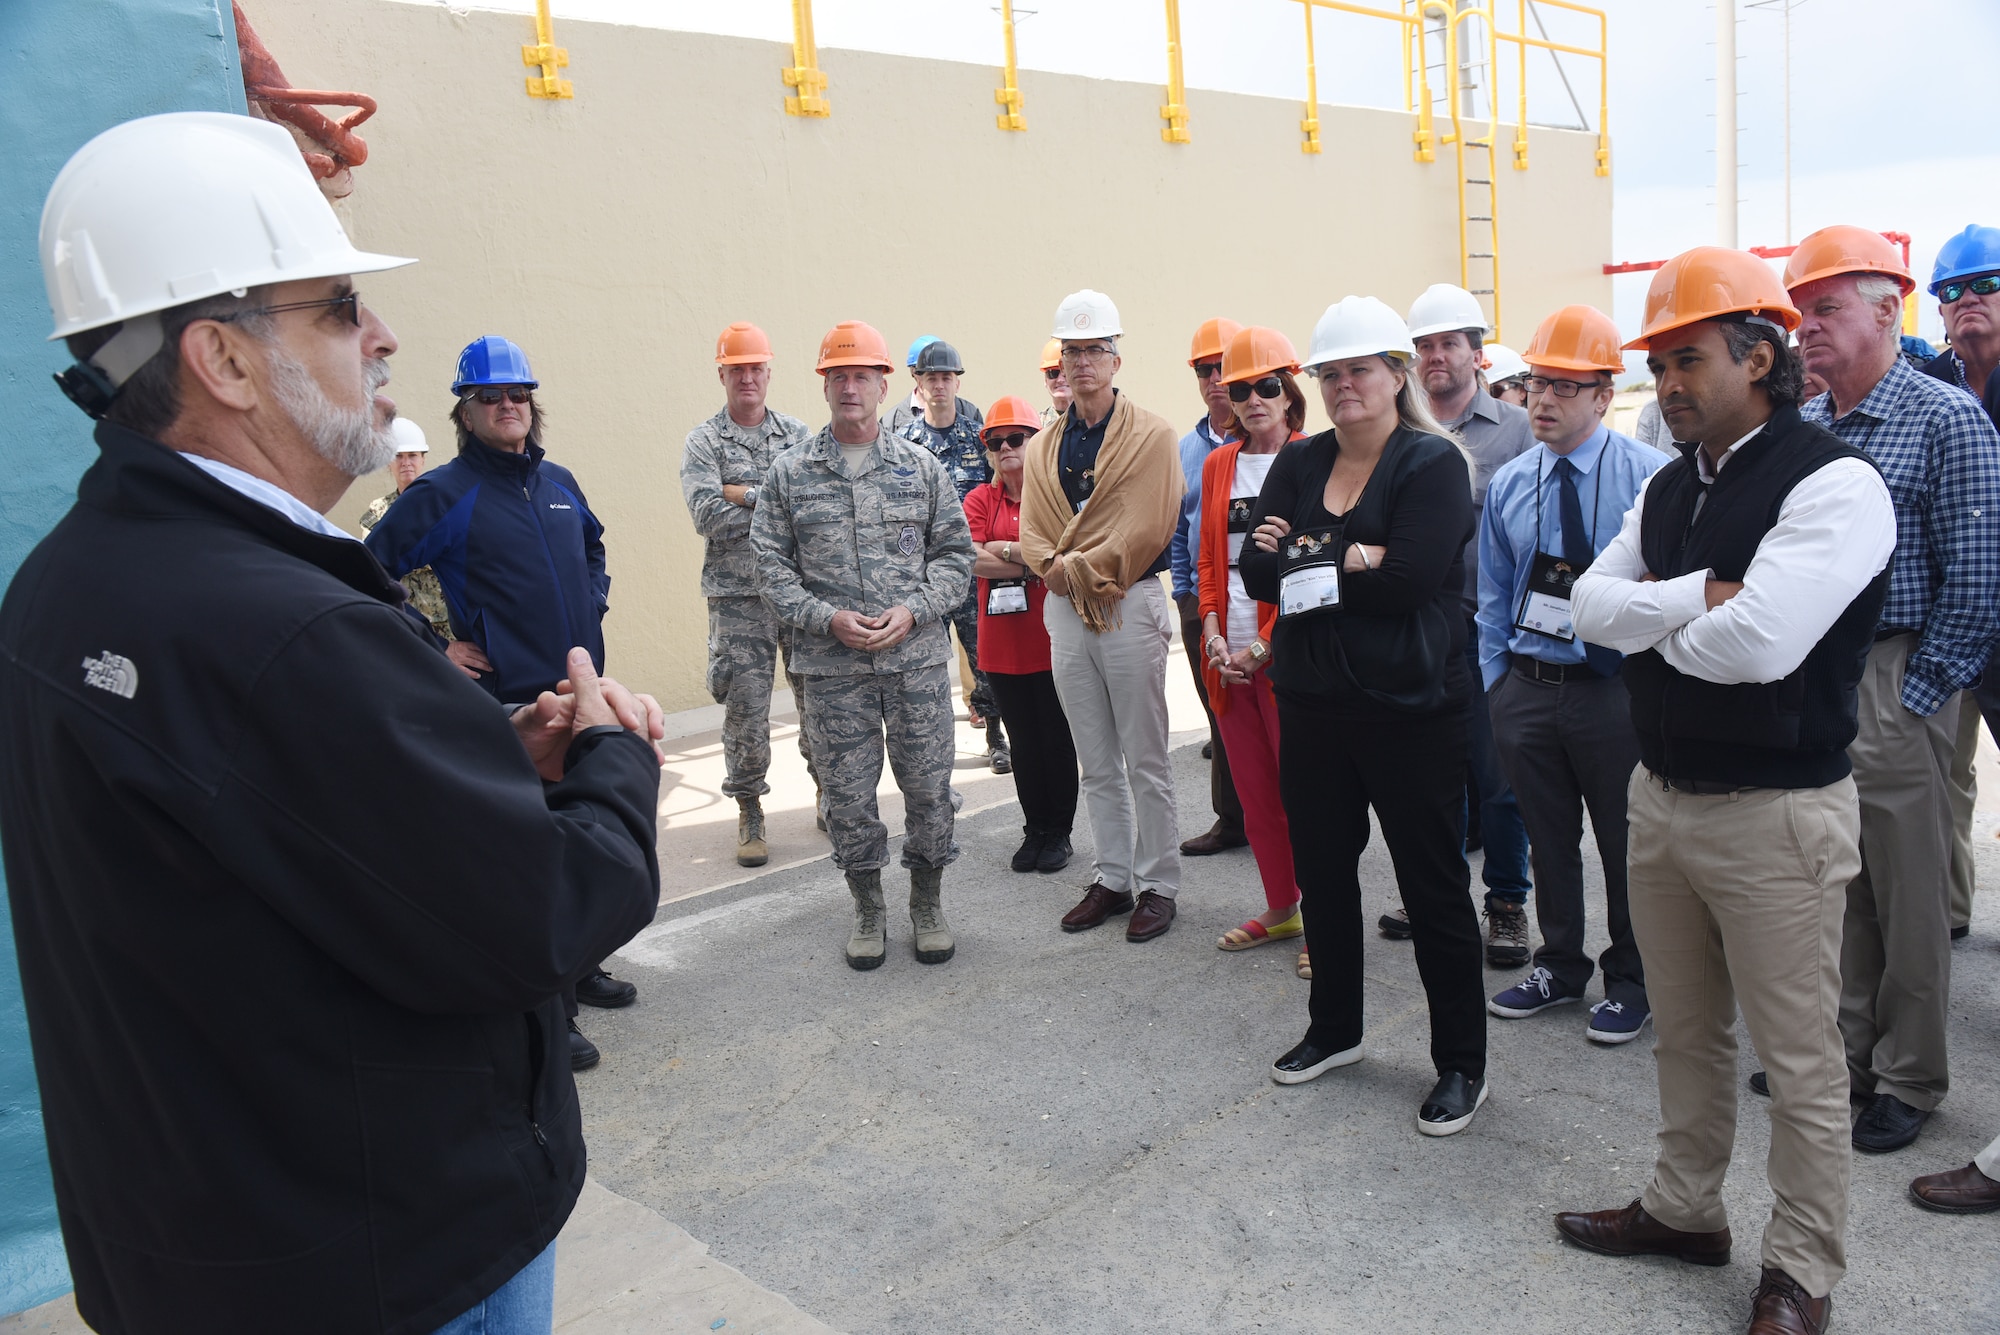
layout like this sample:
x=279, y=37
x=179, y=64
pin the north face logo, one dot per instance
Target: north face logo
x=112, y=672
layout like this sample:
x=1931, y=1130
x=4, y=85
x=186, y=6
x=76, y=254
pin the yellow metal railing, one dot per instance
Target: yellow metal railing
x=804, y=74
x=1009, y=96
x=1174, y=111
x=1522, y=42
x=550, y=57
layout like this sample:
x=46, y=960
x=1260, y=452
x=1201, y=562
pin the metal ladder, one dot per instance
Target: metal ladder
x=1472, y=138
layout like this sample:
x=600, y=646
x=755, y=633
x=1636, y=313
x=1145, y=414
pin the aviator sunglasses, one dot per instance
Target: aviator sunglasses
x=1270, y=387
x=515, y=394
x=1984, y=286
x=1012, y=442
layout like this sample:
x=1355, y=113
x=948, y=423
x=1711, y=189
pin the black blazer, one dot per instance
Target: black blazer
x=1396, y=643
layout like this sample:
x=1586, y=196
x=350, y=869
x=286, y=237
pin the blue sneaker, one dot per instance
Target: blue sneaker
x=1616, y=1022
x=1537, y=992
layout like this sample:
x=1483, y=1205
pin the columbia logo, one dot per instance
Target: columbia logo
x=558, y=505
x=112, y=672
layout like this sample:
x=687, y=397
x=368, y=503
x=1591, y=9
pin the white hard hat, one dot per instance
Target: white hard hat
x=1443, y=308
x=1503, y=363
x=1087, y=314
x=1359, y=327
x=409, y=437
x=169, y=209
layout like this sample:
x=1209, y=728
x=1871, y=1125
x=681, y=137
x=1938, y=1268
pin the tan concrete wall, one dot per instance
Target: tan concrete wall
x=615, y=234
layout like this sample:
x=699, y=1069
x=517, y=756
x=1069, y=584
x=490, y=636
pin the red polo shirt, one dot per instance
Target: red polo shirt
x=1016, y=642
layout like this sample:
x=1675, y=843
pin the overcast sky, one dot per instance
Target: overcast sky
x=1892, y=117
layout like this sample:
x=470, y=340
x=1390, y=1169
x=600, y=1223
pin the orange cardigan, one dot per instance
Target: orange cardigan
x=1218, y=477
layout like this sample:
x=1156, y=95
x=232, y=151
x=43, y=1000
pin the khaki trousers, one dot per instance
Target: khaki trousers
x=1964, y=793
x=1895, y=954
x=1737, y=899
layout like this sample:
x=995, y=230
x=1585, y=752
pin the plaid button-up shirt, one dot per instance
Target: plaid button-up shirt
x=1941, y=459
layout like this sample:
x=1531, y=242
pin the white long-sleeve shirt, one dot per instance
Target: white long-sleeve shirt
x=1835, y=533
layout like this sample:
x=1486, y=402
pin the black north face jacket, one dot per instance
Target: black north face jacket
x=293, y=910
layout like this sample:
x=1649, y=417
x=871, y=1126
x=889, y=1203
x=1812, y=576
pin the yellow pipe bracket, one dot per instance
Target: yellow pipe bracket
x=548, y=56
x=1174, y=111
x=805, y=74
x=1009, y=94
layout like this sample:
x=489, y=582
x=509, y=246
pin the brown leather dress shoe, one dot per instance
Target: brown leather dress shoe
x=1098, y=903
x=1633, y=1232
x=1152, y=917
x=1961, y=1191
x=1781, y=1307
x=1219, y=839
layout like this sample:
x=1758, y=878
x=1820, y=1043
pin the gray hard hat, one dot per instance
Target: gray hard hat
x=939, y=356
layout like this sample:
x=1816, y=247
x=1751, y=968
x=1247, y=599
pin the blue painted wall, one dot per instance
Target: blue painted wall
x=72, y=68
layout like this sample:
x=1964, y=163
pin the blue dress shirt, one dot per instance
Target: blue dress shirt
x=1611, y=472
x=1196, y=446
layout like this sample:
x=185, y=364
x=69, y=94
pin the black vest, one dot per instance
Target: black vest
x=1791, y=733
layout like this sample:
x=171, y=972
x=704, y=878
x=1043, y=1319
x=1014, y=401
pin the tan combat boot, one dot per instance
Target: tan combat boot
x=751, y=850
x=934, y=943
x=866, y=947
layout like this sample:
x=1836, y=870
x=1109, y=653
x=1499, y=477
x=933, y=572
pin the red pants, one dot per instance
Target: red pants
x=1250, y=734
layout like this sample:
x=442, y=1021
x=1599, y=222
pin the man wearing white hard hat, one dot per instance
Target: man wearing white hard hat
x=1505, y=372
x=299, y=1060
x=1448, y=328
x=1100, y=498
x=412, y=452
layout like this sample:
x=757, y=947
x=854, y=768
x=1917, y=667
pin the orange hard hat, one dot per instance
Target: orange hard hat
x=742, y=344
x=1843, y=249
x=1576, y=338
x=1211, y=339
x=1713, y=281
x=852, y=343
x=1052, y=354
x=1011, y=410
x=1256, y=352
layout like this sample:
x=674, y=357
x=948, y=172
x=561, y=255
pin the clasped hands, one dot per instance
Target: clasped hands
x=583, y=700
x=873, y=634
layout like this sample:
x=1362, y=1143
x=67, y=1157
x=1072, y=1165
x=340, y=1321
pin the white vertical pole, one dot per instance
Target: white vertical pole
x=1725, y=123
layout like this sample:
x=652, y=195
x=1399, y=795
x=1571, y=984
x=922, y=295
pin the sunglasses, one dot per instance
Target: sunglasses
x=1270, y=387
x=1013, y=442
x=1562, y=389
x=1052, y=374
x=348, y=306
x=1205, y=370
x=515, y=394
x=1984, y=286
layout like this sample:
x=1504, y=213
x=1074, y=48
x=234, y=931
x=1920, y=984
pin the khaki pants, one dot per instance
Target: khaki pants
x=1895, y=953
x=1737, y=899
x=1964, y=793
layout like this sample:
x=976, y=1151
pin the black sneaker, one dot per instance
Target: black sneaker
x=1450, y=1108
x=1888, y=1124
x=1030, y=849
x=583, y=1053
x=1395, y=924
x=1055, y=854
x=1308, y=1061
x=605, y=992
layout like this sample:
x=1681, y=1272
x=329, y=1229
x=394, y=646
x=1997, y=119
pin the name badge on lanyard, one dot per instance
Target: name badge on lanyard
x=1311, y=582
x=1006, y=596
x=1545, y=605
x=1239, y=525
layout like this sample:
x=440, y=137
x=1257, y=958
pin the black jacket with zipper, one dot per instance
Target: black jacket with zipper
x=293, y=910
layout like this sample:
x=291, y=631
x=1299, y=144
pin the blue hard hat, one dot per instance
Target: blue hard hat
x=1976, y=250
x=918, y=347
x=492, y=360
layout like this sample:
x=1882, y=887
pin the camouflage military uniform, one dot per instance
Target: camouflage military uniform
x=743, y=636
x=907, y=412
x=959, y=448
x=827, y=541
x=426, y=594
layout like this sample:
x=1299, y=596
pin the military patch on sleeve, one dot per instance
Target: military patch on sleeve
x=906, y=542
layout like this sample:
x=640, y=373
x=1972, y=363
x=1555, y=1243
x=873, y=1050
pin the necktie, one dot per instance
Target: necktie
x=1577, y=551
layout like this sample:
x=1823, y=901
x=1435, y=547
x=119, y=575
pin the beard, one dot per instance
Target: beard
x=349, y=439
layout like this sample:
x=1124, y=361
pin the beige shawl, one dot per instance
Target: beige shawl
x=1130, y=517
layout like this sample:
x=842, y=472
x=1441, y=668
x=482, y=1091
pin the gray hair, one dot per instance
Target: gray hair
x=150, y=400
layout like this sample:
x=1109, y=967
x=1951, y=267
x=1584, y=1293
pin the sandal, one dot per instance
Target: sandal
x=1305, y=965
x=1254, y=933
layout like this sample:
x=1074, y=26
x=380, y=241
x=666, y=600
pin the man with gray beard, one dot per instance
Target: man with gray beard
x=300, y=1057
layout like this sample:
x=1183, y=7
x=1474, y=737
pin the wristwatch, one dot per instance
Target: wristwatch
x=1258, y=653
x=750, y=498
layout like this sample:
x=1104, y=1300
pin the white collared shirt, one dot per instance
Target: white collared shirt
x=267, y=494
x=1835, y=532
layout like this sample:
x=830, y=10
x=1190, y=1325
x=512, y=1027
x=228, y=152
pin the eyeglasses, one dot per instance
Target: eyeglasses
x=1052, y=374
x=1562, y=389
x=1013, y=442
x=1983, y=286
x=349, y=306
x=515, y=394
x=1204, y=370
x=1270, y=387
x=1096, y=354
